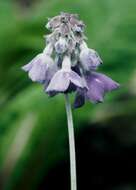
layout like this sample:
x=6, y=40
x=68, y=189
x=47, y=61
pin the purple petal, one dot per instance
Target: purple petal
x=95, y=92
x=59, y=82
x=76, y=79
x=28, y=66
x=98, y=85
x=90, y=59
x=41, y=68
x=108, y=83
x=51, y=70
x=38, y=72
x=63, y=81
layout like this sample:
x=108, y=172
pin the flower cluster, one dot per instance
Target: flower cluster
x=68, y=65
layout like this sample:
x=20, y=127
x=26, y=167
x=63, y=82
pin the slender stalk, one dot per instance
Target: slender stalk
x=71, y=144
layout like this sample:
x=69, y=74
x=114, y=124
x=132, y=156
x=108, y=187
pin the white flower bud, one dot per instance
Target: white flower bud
x=61, y=46
x=89, y=58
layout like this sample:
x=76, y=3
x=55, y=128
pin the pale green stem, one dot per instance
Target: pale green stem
x=71, y=144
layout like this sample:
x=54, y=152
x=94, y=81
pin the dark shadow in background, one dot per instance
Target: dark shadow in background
x=102, y=163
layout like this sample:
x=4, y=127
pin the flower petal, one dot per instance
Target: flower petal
x=76, y=79
x=51, y=70
x=108, y=83
x=95, y=93
x=41, y=68
x=28, y=66
x=59, y=82
x=98, y=85
x=89, y=59
x=38, y=72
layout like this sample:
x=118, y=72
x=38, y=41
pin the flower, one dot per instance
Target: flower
x=64, y=77
x=98, y=85
x=89, y=58
x=68, y=65
x=42, y=67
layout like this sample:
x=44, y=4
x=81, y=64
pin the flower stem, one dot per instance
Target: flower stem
x=71, y=144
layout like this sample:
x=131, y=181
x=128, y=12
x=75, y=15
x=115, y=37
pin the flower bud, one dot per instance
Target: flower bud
x=89, y=58
x=67, y=64
x=53, y=23
x=78, y=29
x=61, y=46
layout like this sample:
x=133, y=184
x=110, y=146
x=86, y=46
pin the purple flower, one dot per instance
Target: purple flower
x=41, y=68
x=98, y=85
x=89, y=58
x=63, y=78
x=67, y=64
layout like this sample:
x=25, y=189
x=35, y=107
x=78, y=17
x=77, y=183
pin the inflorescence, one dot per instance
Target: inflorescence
x=67, y=64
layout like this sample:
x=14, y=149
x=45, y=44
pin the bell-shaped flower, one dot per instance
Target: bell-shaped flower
x=98, y=85
x=65, y=78
x=42, y=67
x=89, y=58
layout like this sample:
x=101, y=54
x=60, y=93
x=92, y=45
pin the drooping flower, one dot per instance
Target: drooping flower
x=68, y=65
x=89, y=58
x=64, y=77
x=42, y=67
x=98, y=85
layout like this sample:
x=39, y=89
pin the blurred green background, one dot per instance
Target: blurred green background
x=33, y=130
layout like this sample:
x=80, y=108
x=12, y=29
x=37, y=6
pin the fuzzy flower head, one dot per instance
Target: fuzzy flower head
x=68, y=65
